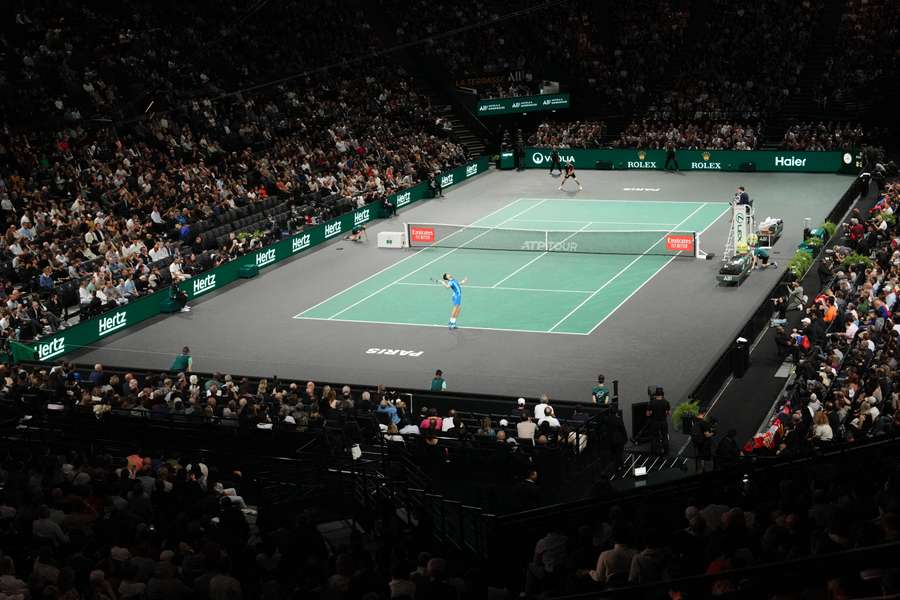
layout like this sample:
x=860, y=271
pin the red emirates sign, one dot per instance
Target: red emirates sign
x=680, y=243
x=423, y=235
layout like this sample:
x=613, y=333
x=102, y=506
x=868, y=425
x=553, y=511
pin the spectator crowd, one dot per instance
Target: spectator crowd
x=823, y=136
x=846, y=387
x=112, y=209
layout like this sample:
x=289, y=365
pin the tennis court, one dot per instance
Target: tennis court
x=536, y=265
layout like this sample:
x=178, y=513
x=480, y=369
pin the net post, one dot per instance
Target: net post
x=406, y=238
x=546, y=240
x=698, y=253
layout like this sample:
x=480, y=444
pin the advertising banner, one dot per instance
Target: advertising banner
x=521, y=104
x=694, y=160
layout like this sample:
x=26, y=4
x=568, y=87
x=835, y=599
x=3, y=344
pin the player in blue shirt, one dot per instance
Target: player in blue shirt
x=455, y=287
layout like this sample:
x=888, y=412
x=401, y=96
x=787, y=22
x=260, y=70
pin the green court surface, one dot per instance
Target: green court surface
x=530, y=291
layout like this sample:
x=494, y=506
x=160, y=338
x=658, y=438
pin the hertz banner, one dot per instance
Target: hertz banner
x=91, y=331
x=521, y=104
x=696, y=160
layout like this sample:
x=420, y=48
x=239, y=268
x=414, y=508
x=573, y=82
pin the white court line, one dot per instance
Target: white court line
x=430, y=262
x=542, y=331
x=604, y=201
x=638, y=288
x=542, y=255
x=593, y=222
x=392, y=265
x=511, y=289
x=628, y=266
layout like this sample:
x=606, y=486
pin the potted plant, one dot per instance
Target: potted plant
x=857, y=259
x=800, y=263
x=683, y=415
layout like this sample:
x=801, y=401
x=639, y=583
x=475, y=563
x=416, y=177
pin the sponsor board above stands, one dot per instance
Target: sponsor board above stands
x=699, y=160
x=521, y=104
x=88, y=332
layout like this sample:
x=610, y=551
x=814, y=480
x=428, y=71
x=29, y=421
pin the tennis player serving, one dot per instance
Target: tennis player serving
x=455, y=287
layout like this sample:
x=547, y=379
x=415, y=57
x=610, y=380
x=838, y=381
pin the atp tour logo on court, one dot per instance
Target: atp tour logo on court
x=266, y=257
x=471, y=170
x=300, y=242
x=447, y=180
x=332, y=229
x=543, y=246
x=403, y=199
x=107, y=325
x=204, y=284
x=395, y=352
x=712, y=166
x=424, y=235
x=54, y=347
x=640, y=163
x=789, y=161
x=538, y=158
x=361, y=217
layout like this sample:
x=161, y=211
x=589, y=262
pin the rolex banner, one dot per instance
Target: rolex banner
x=697, y=160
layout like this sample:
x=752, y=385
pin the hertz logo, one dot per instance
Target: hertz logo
x=106, y=325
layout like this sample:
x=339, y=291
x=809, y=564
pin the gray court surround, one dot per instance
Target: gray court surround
x=668, y=333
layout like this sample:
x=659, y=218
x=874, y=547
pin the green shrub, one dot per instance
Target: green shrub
x=857, y=259
x=800, y=263
x=829, y=228
x=685, y=409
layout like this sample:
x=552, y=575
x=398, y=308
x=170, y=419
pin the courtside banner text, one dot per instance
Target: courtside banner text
x=696, y=160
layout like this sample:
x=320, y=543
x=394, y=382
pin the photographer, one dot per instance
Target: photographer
x=702, y=432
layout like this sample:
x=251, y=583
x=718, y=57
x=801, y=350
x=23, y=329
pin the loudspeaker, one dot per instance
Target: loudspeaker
x=748, y=167
x=604, y=165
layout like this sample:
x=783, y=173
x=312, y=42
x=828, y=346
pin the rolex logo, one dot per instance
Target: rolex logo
x=706, y=156
x=641, y=155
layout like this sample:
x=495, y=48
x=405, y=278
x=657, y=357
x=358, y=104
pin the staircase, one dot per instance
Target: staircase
x=461, y=134
x=653, y=464
x=802, y=106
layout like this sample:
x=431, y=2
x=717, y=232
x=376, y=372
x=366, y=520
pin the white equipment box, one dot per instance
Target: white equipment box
x=391, y=239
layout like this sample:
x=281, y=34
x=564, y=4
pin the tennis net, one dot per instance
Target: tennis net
x=663, y=243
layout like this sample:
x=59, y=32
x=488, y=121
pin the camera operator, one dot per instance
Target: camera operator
x=702, y=432
x=658, y=411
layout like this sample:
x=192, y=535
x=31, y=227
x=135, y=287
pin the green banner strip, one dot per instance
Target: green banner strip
x=91, y=331
x=522, y=104
x=697, y=160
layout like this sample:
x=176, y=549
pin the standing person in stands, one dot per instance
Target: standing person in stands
x=184, y=362
x=658, y=411
x=701, y=437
